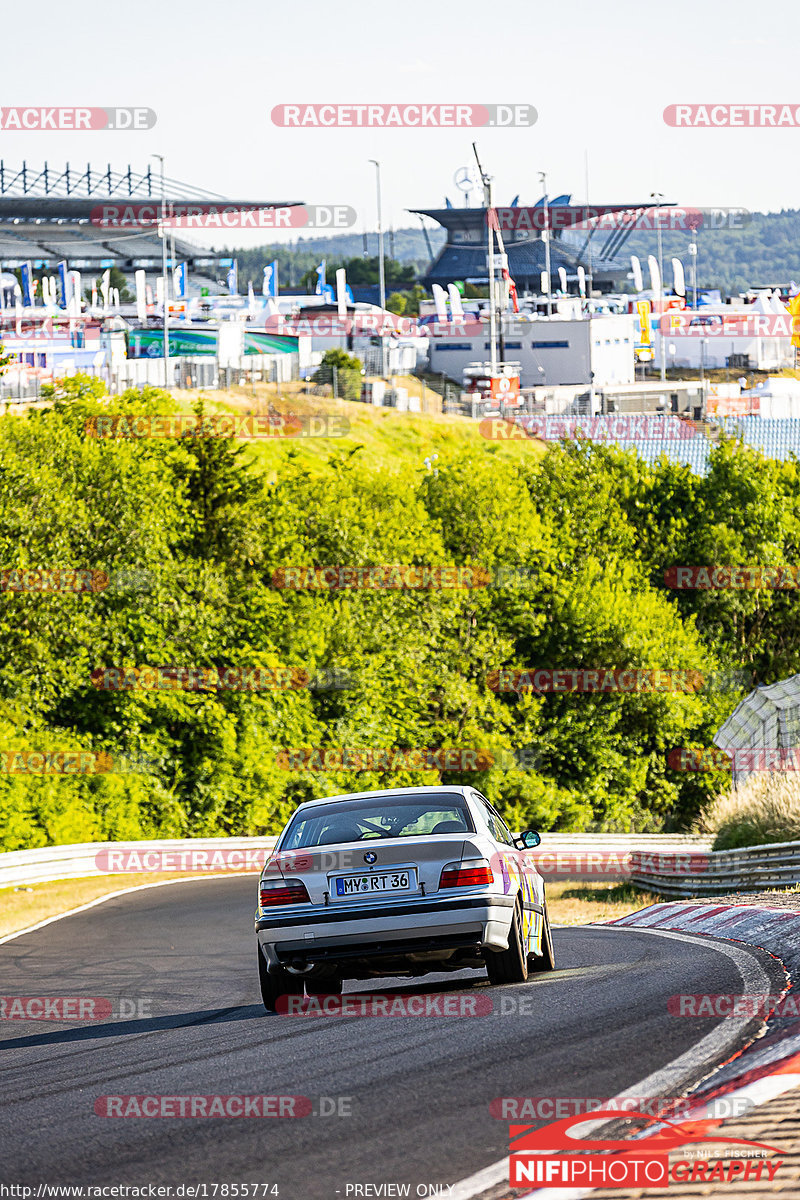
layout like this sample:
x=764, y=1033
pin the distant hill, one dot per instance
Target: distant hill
x=765, y=251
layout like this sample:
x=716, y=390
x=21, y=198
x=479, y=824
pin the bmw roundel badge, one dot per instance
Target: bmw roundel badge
x=370, y=857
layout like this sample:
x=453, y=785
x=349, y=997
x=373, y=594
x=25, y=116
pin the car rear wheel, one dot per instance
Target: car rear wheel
x=511, y=965
x=546, y=961
x=276, y=983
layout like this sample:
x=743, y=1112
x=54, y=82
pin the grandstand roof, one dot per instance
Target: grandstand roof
x=464, y=255
x=71, y=193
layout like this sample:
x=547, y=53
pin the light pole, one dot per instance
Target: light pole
x=693, y=253
x=381, y=271
x=658, y=197
x=164, y=289
x=546, y=236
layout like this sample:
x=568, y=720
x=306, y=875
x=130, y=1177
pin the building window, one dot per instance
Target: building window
x=455, y=346
x=551, y=345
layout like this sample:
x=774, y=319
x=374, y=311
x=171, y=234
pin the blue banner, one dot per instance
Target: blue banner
x=233, y=278
x=26, y=275
x=270, y=285
x=321, y=279
x=64, y=282
x=179, y=281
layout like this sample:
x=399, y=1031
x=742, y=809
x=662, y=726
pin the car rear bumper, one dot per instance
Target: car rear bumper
x=416, y=926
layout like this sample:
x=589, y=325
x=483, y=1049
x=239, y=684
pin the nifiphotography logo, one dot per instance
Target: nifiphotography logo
x=552, y=1156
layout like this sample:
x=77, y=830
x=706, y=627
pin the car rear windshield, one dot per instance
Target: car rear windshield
x=381, y=817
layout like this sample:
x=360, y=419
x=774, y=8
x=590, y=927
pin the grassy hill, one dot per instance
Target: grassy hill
x=383, y=438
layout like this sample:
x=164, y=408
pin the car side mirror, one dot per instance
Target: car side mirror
x=529, y=838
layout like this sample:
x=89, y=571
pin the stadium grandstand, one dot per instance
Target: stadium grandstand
x=594, y=245
x=46, y=217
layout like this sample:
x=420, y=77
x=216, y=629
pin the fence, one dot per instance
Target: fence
x=563, y=855
x=749, y=869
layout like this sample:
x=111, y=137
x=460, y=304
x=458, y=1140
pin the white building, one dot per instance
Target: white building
x=551, y=351
x=754, y=336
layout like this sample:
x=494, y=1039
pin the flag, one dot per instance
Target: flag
x=794, y=308
x=655, y=274
x=75, y=293
x=320, y=279
x=179, y=281
x=64, y=281
x=582, y=281
x=140, y=283
x=678, y=278
x=562, y=278
x=512, y=290
x=440, y=300
x=456, y=307
x=25, y=275
x=341, y=293
x=233, y=278
x=105, y=285
x=636, y=267
x=270, y=285
x=251, y=301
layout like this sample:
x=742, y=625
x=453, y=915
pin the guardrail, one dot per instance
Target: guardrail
x=88, y=859
x=595, y=856
x=748, y=869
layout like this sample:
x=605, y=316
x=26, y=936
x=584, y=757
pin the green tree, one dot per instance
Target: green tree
x=341, y=371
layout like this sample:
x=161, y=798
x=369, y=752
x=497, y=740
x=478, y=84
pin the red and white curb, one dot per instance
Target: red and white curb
x=767, y=1068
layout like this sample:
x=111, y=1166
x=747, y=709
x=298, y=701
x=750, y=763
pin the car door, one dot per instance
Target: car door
x=521, y=870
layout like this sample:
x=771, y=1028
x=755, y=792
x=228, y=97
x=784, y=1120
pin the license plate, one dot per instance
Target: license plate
x=376, y=882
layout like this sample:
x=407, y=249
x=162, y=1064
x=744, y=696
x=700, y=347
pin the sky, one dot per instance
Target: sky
x=599, y=76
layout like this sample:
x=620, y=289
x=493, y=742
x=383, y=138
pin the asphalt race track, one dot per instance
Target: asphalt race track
x=418, y=1090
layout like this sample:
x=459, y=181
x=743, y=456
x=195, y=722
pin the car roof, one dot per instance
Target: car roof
x=442, y=789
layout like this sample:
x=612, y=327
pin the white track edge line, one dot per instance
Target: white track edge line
x=496, y=1173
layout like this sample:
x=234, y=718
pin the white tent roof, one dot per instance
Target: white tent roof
x=769, y=718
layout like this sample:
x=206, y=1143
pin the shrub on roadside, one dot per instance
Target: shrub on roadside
x=764, y=809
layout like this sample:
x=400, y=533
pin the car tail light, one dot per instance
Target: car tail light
x=282, y=891
x=470, y=872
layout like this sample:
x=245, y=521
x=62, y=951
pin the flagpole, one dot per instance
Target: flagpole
x=165, y=291
x=381, y=271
